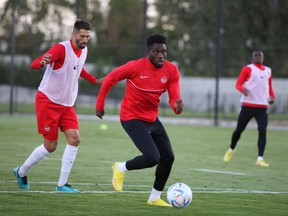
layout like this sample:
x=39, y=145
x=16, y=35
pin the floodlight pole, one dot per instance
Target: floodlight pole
x=218, y=60
x=77, y=8
x=144, y=29
x=12, y=71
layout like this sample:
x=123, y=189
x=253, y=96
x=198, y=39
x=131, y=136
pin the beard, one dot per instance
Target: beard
x=80, y=45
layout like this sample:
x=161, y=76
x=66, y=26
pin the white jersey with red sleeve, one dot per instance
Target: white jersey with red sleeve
x=61, y=85
x=258, y=86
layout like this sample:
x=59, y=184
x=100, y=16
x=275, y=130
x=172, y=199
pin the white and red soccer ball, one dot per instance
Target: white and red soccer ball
x=179, y=195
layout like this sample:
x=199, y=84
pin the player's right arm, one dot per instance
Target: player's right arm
x=120, y=73
x=243, y=77
x=55, y=53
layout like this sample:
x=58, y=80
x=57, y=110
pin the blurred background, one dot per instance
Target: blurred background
x=209, y=40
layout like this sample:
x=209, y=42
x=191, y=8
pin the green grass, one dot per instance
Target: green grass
x=199, y=163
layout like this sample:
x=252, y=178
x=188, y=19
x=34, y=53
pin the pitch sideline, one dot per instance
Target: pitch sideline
x=194, y=190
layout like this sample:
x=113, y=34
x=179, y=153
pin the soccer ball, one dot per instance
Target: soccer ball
x=179, y=195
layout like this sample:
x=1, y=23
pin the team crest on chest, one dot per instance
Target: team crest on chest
x=163, y=79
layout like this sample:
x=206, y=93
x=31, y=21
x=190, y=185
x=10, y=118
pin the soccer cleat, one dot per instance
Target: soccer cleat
x=229, y=154
x=22, y=181
x=158, y=202
x=66, y=188
x=262, y=163
x=118, y=178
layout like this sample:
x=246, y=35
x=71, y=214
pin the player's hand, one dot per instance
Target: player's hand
x=100, y=113
x=245, y=91
x=45, y=59
x=99, y=81
x=271, y=100
x=178, y=106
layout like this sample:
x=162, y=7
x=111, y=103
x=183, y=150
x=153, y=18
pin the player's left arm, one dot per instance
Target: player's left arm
x=175, y=101
x=272, y=97
x=89, y=77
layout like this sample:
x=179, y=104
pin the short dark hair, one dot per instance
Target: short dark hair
x=82, y=24
x=155, y=38
x=256, y=50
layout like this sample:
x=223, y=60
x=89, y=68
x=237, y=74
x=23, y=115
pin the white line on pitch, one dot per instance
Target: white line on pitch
x=78, y=183
x=81, y=192
x=146, y=192
x=195, y=189
x=219, y=171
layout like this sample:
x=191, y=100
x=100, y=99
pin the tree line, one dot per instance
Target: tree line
x=120, y=28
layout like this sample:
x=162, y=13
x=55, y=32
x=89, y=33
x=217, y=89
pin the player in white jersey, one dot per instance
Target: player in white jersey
x=255, y=83
x=54, y=103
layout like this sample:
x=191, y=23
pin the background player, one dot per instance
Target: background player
x=255, y=82
x=55, y=100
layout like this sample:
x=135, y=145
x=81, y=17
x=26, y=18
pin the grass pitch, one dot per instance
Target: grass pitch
x=235, y=188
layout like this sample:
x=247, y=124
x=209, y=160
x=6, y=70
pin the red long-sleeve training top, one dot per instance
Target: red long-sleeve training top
x=144, y=86
x=58, y=56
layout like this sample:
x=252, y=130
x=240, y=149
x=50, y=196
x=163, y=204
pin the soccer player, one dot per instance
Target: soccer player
x=146, y=80
x=55, y=100
x=255, y=83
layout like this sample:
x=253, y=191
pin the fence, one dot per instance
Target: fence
x=197, y=93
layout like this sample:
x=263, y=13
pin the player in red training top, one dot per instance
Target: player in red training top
x=255, y=82
x=55, y=100
x=146, y=80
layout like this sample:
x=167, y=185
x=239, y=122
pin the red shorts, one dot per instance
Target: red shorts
x=51, y=116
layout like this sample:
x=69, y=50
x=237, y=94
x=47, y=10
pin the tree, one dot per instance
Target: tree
x=41, y=23
x=191, y=29
x=122, y=39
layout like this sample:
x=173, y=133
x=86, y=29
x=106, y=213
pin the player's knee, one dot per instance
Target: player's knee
x=152, y=160
x=50, y=146
x=262, y=132
x=74, y=140
x=169, y=160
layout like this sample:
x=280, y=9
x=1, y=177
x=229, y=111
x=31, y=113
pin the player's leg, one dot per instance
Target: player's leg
x=47, y=126
x=139, y=132
x=245, y=115
x=21, y=172
x=36, y=156
x=164, y=166
x=69, y=125
x=165, y=163
x=261, y=117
